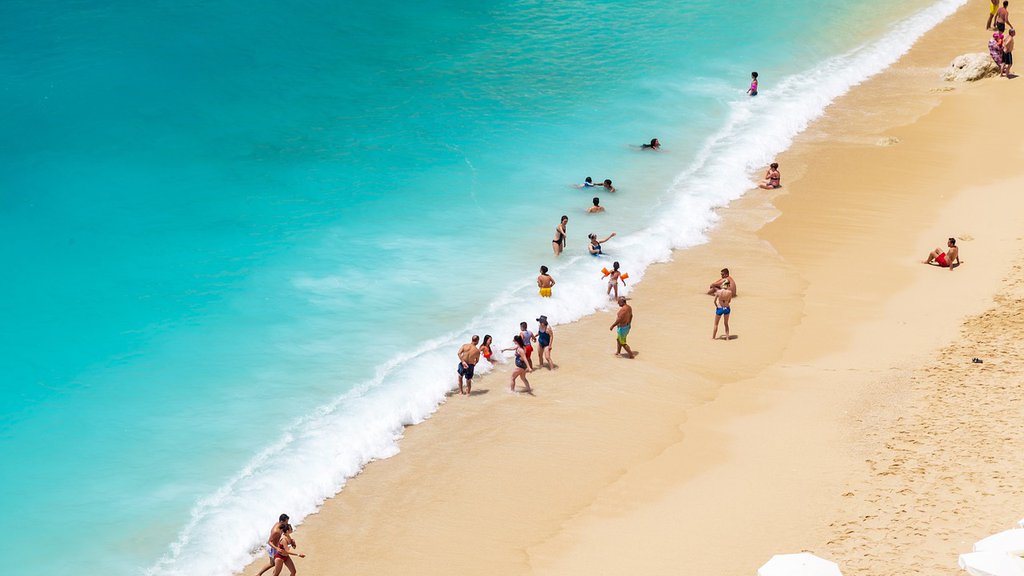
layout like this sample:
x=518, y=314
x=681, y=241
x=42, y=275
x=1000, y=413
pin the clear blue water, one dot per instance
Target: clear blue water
x=230, y=229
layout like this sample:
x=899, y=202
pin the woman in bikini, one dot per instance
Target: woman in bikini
x=595, y=244
x=558, y=244
x=613, y=281
x=284, y=555
x=485, y=348
x=520, y=370
x=772, y=178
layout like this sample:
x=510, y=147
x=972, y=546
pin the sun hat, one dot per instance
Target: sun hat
x=543, y=319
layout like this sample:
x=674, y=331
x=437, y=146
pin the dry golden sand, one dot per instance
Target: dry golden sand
x=846, y=417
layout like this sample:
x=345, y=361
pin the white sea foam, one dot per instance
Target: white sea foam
x=324, y=449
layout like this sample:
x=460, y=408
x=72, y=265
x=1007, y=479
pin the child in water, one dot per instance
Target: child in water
x=753, y=84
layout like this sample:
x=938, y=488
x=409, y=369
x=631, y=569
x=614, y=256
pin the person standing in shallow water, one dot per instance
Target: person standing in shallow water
x=753, y=84
x=558, y=243
x=545, y=282
x=469, y=355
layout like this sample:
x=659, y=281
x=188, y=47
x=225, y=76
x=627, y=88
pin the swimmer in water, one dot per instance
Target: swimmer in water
x=607, y=185
x=596, y=207
x=753, y=84
x=588, y=182
x=595, y=244
x=654, y=145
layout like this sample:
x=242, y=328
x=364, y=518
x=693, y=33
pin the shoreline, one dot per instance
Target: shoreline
x=619, y=464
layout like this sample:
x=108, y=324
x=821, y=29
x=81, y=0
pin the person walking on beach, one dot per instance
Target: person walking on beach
x=469, y=355
x=772, y=178
x=528, y=339
x=992, y=14
x=945, y=259
x=723, y=297
x=520, y=370
x=284, y=555
x=545, y=337
x=1003, y=17
x=595, y=244
x=613, y=281
x=275, y=536
x=559, y=240
x=1008, y=53
x=753, y=84
x=545, y=282
x=596, y=207
x=725, y=281
x=623, y=322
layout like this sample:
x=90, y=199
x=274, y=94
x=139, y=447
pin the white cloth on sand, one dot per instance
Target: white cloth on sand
x=802, y=564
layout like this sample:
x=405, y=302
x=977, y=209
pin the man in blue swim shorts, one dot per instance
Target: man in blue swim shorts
x=622, y=323
x=723, y=297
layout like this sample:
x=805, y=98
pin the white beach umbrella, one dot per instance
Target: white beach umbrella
x=1011, y=541
x=802, y=564
x=992, y=564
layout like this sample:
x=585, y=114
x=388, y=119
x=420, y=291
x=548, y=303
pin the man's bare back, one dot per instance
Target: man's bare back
x=723, y=297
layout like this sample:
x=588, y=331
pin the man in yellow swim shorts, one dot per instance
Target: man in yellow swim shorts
x=545, y=282
x=992, y=14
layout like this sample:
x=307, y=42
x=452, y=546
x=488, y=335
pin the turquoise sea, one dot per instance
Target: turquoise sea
x=241, y=242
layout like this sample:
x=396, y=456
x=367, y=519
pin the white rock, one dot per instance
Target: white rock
x=971, y=67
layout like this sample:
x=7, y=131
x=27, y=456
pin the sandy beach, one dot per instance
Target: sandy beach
x=846, y=418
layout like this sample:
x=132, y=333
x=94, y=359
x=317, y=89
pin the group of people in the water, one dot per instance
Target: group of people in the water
x=724, y=290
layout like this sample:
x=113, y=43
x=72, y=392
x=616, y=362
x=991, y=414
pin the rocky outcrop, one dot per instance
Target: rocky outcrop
x=971, y=67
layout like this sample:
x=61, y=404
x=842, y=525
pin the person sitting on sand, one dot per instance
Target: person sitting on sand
x=595, y=244
x=772, y=178
x=654, y=145
x=723, y=282
x=949, y=259
x=607, y=185
x=596, y=207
